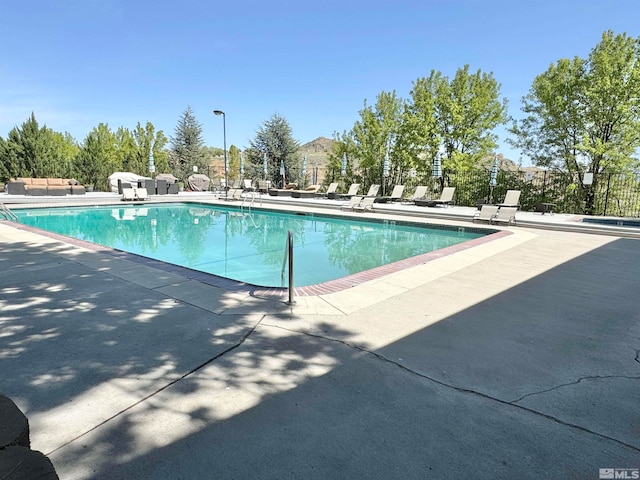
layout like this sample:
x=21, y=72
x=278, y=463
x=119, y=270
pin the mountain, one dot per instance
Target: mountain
x=319, y=145
x=317, y=151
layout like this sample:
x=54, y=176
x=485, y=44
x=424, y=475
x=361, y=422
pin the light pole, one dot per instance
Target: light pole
x=224, y=136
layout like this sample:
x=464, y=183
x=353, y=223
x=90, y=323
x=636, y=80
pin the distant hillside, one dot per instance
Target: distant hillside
x=319, y=145
x=317, y=151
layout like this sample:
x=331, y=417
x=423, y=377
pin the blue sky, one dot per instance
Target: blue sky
x=78, y=63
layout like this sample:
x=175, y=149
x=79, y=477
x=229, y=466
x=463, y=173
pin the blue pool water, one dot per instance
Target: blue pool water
x=247, y=246
x=618, y=222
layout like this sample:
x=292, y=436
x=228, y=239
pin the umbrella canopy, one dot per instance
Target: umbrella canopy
x=385, y=166
x=284, y=182
x=437, y=167
x=152, y=166
x=493, y=176
x=241, y=164
x=344, y=164
x=304, y=165
x=265, y=164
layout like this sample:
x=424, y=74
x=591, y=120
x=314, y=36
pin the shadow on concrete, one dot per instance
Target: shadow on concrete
x=539, y=381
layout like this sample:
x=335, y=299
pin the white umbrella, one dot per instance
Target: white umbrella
x=344, y=164
x=493, y=178
x=241, y=164
x=437, y=167
x=284, y=182
x=152, y=166
x=265, y=164
x=303, y=171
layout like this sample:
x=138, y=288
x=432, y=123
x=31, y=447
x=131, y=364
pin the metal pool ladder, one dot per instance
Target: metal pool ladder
x=251, y=195
x=288, y=255
x=7, y=214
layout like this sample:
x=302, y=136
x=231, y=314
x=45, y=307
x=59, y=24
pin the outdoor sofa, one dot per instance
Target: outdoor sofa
x=44, y=186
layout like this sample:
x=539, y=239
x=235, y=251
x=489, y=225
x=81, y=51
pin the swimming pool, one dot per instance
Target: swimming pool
x=248, y=246
x=617, y=222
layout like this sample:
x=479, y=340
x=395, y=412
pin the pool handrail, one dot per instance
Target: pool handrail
x=288, y=255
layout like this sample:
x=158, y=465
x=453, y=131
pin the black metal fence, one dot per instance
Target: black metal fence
x=606, y=194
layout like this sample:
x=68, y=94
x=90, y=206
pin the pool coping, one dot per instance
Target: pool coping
x=279, y=293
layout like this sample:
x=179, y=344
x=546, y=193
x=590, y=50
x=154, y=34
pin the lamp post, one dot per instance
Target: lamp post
x=224, y=136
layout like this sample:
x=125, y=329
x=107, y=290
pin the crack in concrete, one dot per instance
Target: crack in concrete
x=588, y=377
x=164, y=387
x=460, y=389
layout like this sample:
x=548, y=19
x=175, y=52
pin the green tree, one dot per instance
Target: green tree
x=98, y=158
x=160, y=154
x=148, y=142
x=63, y=150
x=583, y=115
x=374, y=136
x=234, y=162
x=187, y=146
x=34, y=151
x=341, y=149
x=421, y=137
x=13, y=155
x=467, y=110
x=274, y=138
x=126, y=151
x=5, y=161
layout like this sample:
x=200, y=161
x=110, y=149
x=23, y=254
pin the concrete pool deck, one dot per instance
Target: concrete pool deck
x=518, y=358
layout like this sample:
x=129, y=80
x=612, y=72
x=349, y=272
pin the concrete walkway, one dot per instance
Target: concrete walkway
x=514, y=359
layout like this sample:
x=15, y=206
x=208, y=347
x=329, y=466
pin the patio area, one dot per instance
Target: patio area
x=517, y=358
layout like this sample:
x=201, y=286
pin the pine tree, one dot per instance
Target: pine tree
x=187, y=146
x=274, y=139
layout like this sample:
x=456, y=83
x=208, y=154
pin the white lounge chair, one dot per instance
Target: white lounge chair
x=396, y=195
x=352, y=203
x=373, y=191
x=141, y=193
x=332, y=187
x=128, y=194
x=420, y=193
x=365, y=204
x=486, y=213
x=446, y=198
x=511, y=199
x=233, y=194
x=353, y=190
x=505, y=215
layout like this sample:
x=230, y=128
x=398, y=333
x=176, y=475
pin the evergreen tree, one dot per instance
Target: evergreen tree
x=4, y=161
x=274, y=138
x=34, y=151
x=187, y=146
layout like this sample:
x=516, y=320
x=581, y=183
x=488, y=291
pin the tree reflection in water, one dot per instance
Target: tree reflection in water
x=248, y=245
